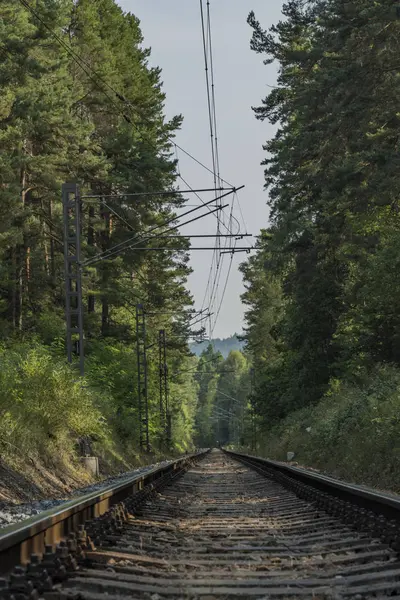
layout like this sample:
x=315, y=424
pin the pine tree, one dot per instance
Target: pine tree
x=331, y=171
x=81, y=103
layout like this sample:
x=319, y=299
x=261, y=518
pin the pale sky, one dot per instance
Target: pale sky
x=173, y=31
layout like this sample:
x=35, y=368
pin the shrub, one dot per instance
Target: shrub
x=43, y=406
x=352, y=433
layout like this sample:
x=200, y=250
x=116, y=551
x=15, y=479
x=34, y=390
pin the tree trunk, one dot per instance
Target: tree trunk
x=105, y=312
x=105, y=239
x=19, y=286
x=13, y=286
x=46, y=250
x=20, y=264
x=91, y=242
x=28, y=267
x=52, y=248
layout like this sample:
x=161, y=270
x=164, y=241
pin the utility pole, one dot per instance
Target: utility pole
x=169, y=430
x=165, y=425
x=142, y=378
x=73, y=273
x=253, y=411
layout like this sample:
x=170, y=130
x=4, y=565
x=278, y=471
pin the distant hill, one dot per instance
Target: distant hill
x=224, y=346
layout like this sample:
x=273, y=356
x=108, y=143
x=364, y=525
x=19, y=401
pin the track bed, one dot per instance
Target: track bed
x=225, y=531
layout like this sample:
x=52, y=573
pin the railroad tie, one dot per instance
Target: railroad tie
x=223, y=531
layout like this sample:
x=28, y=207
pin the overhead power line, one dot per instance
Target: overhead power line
x=210, y=115
x=204, y=203
x=124, y=245
x=101, y=84
x=213, y=102
x=210, y=90
x=214, y=117
x=87, y=69
x=201, y=319
x=96, y=78
x=204, y=362
x=223, y=294
x=159, y=193
x=106, y=255
x=191, y=249
x=215, y=288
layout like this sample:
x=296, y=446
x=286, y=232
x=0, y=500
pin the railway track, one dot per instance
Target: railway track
x=226, y=526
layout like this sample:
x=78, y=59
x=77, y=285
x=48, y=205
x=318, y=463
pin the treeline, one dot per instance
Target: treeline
x=80, y=103
x=224, y=415
x=225, y=345
x=323, y=311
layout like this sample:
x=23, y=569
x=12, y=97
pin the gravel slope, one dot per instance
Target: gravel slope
x=15, y=513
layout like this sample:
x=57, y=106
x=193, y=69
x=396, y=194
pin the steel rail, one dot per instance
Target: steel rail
x=19, y=541
x=245, y=536
x=381, y=503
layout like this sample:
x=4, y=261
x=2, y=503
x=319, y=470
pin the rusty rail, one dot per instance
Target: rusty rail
x=361, y=497
x=19, y=541
x=234, y=526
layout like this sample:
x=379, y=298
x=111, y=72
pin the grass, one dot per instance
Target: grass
x=353, y=433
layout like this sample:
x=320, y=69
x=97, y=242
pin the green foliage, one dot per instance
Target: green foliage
x=224, y=346
x=321, y=292
x=353, y=433
x=207, y=378
x=44, y=409
x=60, y=122
x=223, y=414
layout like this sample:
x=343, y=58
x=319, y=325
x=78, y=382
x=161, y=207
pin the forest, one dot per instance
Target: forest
x=225, y=346
x=316, y=370
x=322, y=290
x=80, y=103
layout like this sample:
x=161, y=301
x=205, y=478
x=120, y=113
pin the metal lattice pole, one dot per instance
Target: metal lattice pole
x=73, y=273
x=142, y=378
x=161, y=366
x=164, y=392
x=253, y=411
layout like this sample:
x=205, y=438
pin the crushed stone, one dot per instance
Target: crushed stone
x=11, y=512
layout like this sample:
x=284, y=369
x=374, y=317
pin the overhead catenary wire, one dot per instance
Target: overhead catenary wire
x=93, y=75
x=223, y=295
x=198, y=313
x=203, y=318
x=213, y=101
x=197, y=206
x=179, y=249
x=210, y=118
x=95, y=78
x=183, y=236
x=117, y=215
x=86, y=68
x=214, y=290
x=236, y=198
x=217, y=260
x=178, y=169
x=204, y=362
x=114, y=251
x=156, y=193
x=173, y=219
x=206, y=38
x=205, y=203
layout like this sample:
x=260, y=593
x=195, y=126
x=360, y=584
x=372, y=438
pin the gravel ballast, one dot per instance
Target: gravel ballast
x=11, y=513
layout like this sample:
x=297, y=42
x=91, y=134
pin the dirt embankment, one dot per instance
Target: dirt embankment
x=28, y=488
